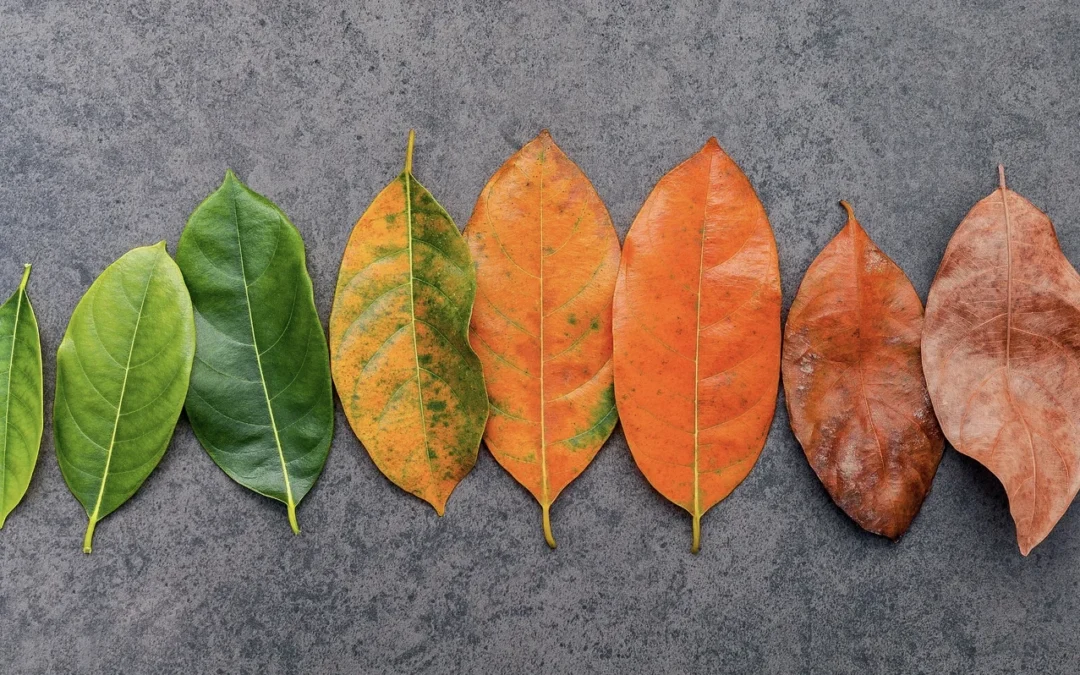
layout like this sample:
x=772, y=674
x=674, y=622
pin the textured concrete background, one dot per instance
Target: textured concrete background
x=116, y=119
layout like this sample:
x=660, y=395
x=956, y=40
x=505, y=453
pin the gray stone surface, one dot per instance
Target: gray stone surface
x=116, y=119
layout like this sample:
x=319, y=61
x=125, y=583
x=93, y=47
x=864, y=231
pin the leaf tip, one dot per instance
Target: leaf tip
x=850, y=211
x=712, y=144
x=230, y=177
x=1027, y=545
x=437, y=502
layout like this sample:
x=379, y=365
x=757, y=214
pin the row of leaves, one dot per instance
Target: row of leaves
x=531, y=330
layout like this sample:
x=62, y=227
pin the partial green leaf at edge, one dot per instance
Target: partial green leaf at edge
x=21, y=397
x=121, y=378
x=260, y=401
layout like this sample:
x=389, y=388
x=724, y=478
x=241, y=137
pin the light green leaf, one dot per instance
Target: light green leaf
x=121, y=377
x=20, y=397
x=260, y=401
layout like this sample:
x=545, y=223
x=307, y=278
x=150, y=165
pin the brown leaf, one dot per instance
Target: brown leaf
x=854, y=385
x=1001, y=352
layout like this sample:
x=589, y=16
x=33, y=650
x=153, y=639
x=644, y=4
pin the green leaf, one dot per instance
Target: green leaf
x=411, y=385
x=121, y=377
x=260, y=400
x=20, y=397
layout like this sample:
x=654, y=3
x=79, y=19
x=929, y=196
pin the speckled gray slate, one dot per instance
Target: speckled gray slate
x=116, y=119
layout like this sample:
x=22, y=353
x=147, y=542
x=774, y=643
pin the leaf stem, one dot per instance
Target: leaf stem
x=292, y=519
x=548, y=536
x=89, y=538
x=25, y=277
x=695, y=545
x=408, y=151
x=1001, y=176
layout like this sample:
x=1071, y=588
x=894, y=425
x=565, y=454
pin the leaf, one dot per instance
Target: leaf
x=697, y=332
x=854, y=385
x=1001, y=353
x=546, y=258
x=261, y=402
x=121, y=376
x=21, y=399
x=411, y=385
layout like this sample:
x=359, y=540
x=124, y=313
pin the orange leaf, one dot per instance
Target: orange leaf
x=546, y=258
x=697, y=332
x=854, y=385
x=1001, y=352
x=409, y=382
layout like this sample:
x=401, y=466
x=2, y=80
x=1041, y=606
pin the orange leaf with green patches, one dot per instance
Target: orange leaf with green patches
x=411, y=385
x=697, y=332
x=546, y=259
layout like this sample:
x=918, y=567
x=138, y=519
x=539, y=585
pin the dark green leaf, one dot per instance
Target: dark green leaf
x=260, y=399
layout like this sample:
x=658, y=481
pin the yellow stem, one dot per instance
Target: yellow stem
x=292, y=519
x=89, y=538
x=550, y=538
x=695, y=546
x=408, y=151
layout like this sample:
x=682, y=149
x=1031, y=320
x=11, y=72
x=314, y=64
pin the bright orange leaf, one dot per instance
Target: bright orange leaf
x=546, y=259
x=697, y=332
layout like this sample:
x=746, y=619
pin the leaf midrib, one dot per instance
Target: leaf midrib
x=696, y=513
x=857, y=253
x=120, y=403
x=545, y=501
x=289, y=503
x=1008, y=343
x=407, y=178
x=7, y=397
